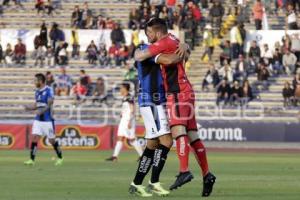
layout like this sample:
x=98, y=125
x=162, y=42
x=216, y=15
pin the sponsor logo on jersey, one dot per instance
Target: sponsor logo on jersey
x=6, y=140
x=71, y=137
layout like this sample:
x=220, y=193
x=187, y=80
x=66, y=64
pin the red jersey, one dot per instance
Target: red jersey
x=175, y=79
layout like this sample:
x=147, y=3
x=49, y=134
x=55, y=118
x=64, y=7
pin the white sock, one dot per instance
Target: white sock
x=118, y=148
x=137, y=147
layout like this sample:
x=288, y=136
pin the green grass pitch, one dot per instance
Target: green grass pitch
x=85, y=176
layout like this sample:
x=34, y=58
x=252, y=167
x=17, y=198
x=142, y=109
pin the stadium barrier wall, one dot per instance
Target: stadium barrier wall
x=84, y=36
x=76, y=137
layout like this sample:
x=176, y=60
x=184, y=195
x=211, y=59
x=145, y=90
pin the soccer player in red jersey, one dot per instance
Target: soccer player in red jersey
x=180, y=102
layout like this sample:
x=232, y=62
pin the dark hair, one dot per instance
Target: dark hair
x=126, y=86
x=40, y=77
x=158, y=24
x=82, y=71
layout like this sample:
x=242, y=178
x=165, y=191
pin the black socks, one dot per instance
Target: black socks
x=159, y=161
x=57, y=150
x=33, y=150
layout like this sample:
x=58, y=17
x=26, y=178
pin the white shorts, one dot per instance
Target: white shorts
x=43, y=129
x=124, y=131
x=155, y=120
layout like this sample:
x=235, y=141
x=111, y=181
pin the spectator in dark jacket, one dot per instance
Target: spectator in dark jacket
x=226, y=53
x=211, y=77
x=76, y=17
x=92, y=52
x=288, y=94
x=1, y=54
x=241, y=68
x=56, y=35
x=20, y=52
x=190, y=26
x=262, y=75
x=235, y=93
x=223, y=92
x=216, y=14
x=247, y=94
x=44, y=35
x=117, y=35
x=254, y=55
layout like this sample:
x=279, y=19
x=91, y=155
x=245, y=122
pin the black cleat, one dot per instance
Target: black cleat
x=182, y=178
x=112, y=159
x=208, y=183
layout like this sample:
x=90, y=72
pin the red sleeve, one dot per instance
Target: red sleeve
x=157, y=48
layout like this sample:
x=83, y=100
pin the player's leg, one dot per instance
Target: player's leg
x=144, y=166
x=159, y=160
x=182, y=149
x=117, y=149
x=136, y=146
x=33, y=149
x=57, y=150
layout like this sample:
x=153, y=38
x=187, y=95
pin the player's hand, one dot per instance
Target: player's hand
x=129, y=126
x=26, y=107
x=182, y=50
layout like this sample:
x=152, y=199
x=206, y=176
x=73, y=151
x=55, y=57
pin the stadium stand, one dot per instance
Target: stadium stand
x=16, y=84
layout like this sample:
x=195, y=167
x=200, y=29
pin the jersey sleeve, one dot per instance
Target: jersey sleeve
x=50, y=93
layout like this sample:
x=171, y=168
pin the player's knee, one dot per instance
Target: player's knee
x=166, y=140
x=52, y=141
x=35, y=138
x=193, y=135
x=178, y=131
x=152, y=144
x=120, y=139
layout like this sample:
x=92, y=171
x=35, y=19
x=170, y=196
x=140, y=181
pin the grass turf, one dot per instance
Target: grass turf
x=85, y=176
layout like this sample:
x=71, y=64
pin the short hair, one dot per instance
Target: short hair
x=158, y=24
x=40, y=77
x=82, y=71
x=126, y=86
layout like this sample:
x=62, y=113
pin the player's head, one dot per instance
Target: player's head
x=124, y=89
x=39, y=80
x=155, y=29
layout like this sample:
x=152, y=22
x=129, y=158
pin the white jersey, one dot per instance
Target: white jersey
x=127, y=118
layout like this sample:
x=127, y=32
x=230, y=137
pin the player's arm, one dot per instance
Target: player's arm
x=141, y=55
x=182, y=53
x=132, y=111
x=30, y=107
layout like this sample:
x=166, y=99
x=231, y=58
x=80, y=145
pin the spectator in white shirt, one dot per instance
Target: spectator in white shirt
x=289, y=61
x=226, y=72
x=291, y=18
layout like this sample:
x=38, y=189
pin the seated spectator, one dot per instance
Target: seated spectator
x=101, y=24
x=277, y=62
x=145, y=16
x=117, y=35
x=267, y=55
x=92, y=52
x=49, y=57
x=291, y=18
x=40, y=56
x=241, y=68
x=76, y=17
x=56, y=35
x=103, y=56
x=64, y=83
x=85, y=80
x=8, y=55
x=258, y=11
x=223, y=92
x=295, y=46
x=247, y=94
x=114, y=54
x=75, y=44
x=62, y=54
x=20, y=52
x=288, y=94
x=1, y=54
x=164, y=14
x=289, y=61
x=86, y=15
x=133, y=18
x=50, y=80
x=216, y=14
x=44, y=34
x=49, y=7
x=211, y=77
x=124, y=54
x=78, y=92
x=226, y=53
x=254, y=55
x=226, y=72
x=99, y=92
x=110, y=24
x=89, y=23
x=235, y=94
x=40, y=6
x=262, y=76
x=296, y=84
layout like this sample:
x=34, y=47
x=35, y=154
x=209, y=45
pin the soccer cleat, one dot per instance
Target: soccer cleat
x=208, y=183
x=157, y=189
x=112, y=159
x=139, y=190
x=29, y=162
x=181, y=179
x=59, y=162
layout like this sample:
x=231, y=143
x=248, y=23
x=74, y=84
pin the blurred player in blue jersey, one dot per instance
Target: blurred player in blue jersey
x=151, y=100
x=43, y=124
